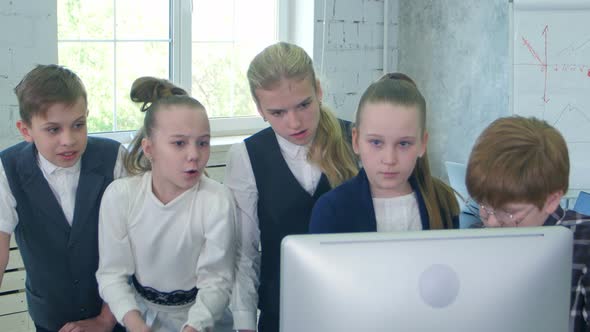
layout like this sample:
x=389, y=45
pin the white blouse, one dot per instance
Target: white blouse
x=186, y=243
x=397, y=213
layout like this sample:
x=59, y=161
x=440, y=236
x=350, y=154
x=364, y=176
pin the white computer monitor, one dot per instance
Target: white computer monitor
x=505, y=279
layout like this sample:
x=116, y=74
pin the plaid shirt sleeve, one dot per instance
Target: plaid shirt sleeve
x=580, y=301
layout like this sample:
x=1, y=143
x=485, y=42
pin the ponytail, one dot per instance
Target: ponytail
x=135, y=161
x=439, y=198
x=330, y=150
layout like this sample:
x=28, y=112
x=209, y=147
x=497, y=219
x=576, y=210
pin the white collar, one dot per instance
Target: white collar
x=49, y=168
x=292, y=151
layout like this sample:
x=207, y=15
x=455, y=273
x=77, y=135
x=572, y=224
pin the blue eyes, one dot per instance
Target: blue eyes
x=303, y=106
x=379, y=143
x=375, y=142
x=183, y=143
x=55, y=130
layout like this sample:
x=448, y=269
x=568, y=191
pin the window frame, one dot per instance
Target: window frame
x=180, y=70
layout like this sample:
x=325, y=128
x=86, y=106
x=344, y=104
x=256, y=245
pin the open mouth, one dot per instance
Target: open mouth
x=67, y=155
x=299, y=134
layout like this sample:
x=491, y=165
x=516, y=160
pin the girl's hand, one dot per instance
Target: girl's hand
x=134, y=323
x=189, y=329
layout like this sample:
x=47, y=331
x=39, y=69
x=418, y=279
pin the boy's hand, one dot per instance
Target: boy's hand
x=88, y=325
x=104, y=322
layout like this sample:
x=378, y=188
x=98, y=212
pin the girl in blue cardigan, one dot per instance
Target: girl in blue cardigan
x=395, y=190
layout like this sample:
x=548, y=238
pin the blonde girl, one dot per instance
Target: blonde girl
x=277, y=175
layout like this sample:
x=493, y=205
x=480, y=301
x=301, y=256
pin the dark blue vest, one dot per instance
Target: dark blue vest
x=61, y=261
x=284, y=208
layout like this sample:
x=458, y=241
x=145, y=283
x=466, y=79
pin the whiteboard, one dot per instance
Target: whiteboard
x=551, y=73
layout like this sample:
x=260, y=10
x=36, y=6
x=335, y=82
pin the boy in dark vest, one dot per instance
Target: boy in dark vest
x=50, y=190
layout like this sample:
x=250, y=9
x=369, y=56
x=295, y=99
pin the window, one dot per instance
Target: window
x=204, y=46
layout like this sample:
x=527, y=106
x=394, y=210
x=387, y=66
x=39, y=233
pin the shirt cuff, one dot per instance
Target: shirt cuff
x=7, y=227
x=122, y=307
x=244, y=320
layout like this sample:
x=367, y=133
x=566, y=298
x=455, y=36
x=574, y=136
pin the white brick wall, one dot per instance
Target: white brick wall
x=28, y=36
x=352, y=52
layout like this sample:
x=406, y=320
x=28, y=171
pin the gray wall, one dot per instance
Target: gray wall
x=458, y=53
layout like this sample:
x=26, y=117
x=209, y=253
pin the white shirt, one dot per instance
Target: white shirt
x=397, y=213
x=239, y=178
x=63, y=183
x=186, y=243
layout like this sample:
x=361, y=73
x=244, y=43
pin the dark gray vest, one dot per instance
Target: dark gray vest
x=284, y=208
x=61, y=261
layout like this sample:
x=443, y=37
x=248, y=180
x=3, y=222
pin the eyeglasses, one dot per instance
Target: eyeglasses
x=504, y=218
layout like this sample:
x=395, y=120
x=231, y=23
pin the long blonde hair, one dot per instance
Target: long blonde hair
x=439, y=198
x=154, y=94
x=329, y=149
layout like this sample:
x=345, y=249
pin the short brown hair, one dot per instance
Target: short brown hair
x=47, y=85
x=517, y=160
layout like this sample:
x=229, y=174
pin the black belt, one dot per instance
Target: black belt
x=177, y=297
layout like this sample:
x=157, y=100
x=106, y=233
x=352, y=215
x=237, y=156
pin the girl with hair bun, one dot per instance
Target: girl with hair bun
x=168, y=228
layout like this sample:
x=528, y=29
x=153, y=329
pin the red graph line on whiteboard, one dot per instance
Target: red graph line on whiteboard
x=543, y=63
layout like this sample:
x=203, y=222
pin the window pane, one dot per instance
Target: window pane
x=213, y=20
x=143, y=19
x=93, y=62
x=227, y=34
x=84, y=19
x=136, y=59
x=256, y=23
x=219, y=82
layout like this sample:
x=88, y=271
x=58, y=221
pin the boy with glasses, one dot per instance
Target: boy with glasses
x=517, y=173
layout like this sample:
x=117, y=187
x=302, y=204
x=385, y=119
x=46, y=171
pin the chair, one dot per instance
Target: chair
x=583, y=203
x=456, y=173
